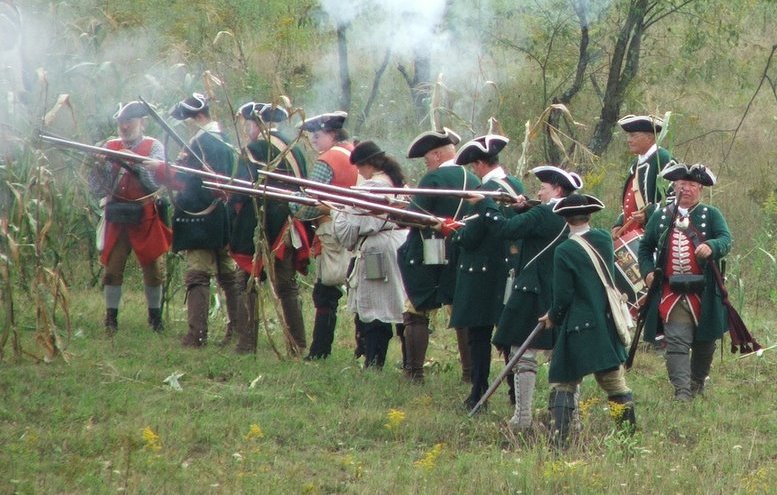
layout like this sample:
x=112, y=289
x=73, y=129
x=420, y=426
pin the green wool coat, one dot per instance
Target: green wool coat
x=714, y=230
x=209, y=231
x=430, y=286
x=586, y=339
x=538, y=228
x=482, y=268
x=275, y=213
x=651, y=186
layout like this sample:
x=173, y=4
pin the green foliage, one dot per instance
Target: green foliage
x=108, y=421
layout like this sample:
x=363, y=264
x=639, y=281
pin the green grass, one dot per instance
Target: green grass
x=256, y=424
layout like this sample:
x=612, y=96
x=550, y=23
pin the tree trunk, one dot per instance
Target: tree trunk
x=624, y=65
x=345, y=76
x=553, y=153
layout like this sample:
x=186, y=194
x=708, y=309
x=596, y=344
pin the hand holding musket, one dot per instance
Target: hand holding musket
x=129, y=161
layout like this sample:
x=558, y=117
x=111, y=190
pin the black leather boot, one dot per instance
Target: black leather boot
x=155, y=319
x=111, y=321
x=561, y=405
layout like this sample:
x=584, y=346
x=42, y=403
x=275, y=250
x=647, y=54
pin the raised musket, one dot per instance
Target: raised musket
x=500, y=196
x=174, y=135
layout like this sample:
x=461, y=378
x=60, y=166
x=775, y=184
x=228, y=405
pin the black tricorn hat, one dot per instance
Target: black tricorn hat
x=191, y=106
x=641, y=123
x=325, y=122
x=481, y=148
x=364, y=151
x=696, y=173
x=428, y=141
x=554, y=175
x=132, y=110
x=262, y=112
x=577, y=204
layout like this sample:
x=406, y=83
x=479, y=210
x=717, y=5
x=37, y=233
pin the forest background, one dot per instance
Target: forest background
x=554, y=74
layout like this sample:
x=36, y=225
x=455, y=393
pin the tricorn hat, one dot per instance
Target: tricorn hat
x=132, y=110
x=577, y=204
x=325, y=122
x=191, y=106
x=262, y=112
x=364, y=151
x=428, y=141
x=558, y=176
x=641, y=123
x=481, y=148
x=696, y=173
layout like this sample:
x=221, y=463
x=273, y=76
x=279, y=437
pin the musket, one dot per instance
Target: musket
x=210, y=175
x=317, y=197
x=507, y=369
x=126, y=160
x=267, y=191
x=500, y=196
x=337, y=190
x=171, y=132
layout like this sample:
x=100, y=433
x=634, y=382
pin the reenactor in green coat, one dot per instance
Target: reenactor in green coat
x=642, y=190
x=687, y=309
x=541, y=231
x=286, y=237
x=586, y=339
x=428, y=270
x=483, y=262
x=201, y=224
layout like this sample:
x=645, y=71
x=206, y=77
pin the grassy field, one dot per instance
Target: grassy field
x=105, y=421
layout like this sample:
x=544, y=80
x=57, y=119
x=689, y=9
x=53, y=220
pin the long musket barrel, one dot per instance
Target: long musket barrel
x=210, y=175
x=468, y=193
x=316, y=197
x=122, y=157
x=507, y=369
x=340, y=191
x=270, y=192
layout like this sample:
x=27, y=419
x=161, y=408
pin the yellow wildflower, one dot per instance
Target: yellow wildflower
x=429, y=459
x=616, y=410
x=395, y=418
x=254, y=432
x=153, y=442
x=586, y=405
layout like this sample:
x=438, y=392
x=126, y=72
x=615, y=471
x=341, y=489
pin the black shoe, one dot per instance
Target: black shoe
x=155, y=319
x=111, y=321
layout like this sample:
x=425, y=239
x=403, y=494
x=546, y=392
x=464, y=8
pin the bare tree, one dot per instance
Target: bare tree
x=419, y=82
x=624, y=63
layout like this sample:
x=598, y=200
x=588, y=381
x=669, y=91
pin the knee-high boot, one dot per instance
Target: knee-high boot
x=480, y=352
x=197, y=304
x=292, y=313
x=237, y=313
x=323, y=334
x=416, y=343
x=561, y=405
x=247, y=339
